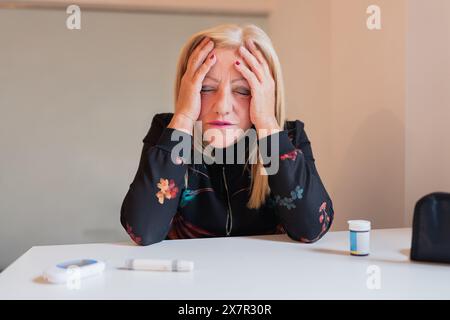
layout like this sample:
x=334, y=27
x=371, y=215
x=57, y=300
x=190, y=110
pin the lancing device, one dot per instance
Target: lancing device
x=159, y=265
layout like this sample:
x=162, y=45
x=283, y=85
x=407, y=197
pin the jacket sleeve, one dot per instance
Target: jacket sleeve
x=297, y=194
x=152, y=199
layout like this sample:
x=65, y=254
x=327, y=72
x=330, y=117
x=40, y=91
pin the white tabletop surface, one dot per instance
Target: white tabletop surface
x=261, y=267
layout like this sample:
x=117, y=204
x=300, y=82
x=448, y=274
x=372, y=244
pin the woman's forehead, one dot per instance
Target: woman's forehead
x=225, y=54
x=224, y=66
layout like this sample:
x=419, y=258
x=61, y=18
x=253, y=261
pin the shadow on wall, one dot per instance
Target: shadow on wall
x=371, y=175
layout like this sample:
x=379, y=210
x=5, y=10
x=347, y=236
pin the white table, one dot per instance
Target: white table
x=261, y=267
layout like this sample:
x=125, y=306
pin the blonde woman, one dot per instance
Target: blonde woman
x=229, y=81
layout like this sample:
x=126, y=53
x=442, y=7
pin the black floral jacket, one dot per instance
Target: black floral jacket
x=177, y=200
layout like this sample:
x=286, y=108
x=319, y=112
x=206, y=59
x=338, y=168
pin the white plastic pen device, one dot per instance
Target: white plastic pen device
x=159, y=265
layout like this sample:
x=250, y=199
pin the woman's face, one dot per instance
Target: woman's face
x=225, y=97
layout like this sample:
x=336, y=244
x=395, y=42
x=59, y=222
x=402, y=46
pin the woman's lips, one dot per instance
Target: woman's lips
x=220, y=123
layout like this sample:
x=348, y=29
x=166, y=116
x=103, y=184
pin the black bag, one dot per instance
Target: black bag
x=431, y=228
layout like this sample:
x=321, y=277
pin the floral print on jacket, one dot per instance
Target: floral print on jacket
x=176, y=199
x=167, y=190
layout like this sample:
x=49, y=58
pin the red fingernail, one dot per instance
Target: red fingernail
x=237, y=62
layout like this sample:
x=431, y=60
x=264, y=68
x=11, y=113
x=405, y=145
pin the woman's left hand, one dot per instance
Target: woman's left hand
x=259, y=77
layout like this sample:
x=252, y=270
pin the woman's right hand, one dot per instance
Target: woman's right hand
x=189, y=98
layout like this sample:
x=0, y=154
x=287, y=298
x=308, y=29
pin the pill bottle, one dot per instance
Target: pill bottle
x=359, y=237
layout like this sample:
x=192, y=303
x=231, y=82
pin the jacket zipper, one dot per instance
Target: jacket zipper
x=229, y=225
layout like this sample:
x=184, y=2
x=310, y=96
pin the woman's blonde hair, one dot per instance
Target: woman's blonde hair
x=231, y=36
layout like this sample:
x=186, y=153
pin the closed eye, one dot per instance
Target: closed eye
x=243, y=92
x=205, y=89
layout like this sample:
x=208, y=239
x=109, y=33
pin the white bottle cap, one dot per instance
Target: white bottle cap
x=129, y=263
x=359, y=225
x=183, y=265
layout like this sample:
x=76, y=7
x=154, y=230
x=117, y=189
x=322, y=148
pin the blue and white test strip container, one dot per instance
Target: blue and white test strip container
x=359, y=237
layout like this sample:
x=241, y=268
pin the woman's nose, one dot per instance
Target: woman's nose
x=222, y=105
x=222, y=111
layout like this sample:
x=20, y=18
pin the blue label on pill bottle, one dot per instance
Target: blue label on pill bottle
x=353, y=242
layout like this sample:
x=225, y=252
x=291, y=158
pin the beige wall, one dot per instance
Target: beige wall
x=368, y=112
x=347, y=84
x=428, y=100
